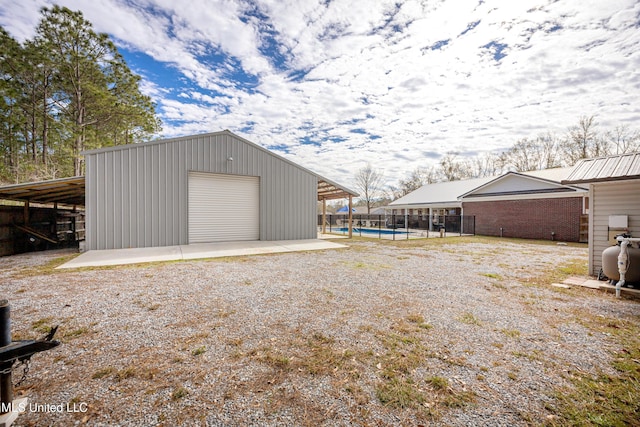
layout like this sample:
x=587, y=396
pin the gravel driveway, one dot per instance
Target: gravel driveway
x=455, y=332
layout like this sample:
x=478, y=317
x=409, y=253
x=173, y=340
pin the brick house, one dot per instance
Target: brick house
x=531, y=205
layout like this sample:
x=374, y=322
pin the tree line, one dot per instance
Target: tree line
x=66, y=90
x=546, y=151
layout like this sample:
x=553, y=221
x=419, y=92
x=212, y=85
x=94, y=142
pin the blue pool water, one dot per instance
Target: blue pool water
x=371, y=231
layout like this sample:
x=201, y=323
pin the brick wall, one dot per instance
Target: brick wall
x=528, y=219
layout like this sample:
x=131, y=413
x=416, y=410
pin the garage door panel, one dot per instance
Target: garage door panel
x=223, y=207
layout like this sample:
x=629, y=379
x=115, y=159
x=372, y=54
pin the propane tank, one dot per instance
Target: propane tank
x=610, y=263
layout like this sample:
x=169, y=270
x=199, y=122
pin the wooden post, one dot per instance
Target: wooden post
x=26, y=212
x=55, y=220
x=350, y=217
x=324, y=215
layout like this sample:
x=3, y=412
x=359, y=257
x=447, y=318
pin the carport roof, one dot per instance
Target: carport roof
x=66, y=191
x=328, y=190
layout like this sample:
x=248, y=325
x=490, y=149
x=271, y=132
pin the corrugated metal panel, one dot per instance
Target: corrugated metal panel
x=614, y=198
x=147, y=205
x=620, y=167
x=223, y=207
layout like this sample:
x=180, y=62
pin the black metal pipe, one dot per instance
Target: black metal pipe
x=6, y=384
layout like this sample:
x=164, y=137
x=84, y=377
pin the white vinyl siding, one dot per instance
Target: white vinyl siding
x=223, y=208
x=611, y=198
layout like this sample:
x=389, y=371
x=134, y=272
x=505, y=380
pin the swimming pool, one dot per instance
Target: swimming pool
x=371, y=231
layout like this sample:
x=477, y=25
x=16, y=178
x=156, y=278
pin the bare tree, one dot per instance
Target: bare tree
x=526, y=154
x=488, y=164
x=550, y=151
x=369, y=184
x=582, y=141
x=419, y=177
x=453, y=169
x=621, y=140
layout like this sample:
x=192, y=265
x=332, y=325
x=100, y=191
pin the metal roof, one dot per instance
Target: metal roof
x=67, y=191
x=440, y=192
x=448, y=192
x=611, y=168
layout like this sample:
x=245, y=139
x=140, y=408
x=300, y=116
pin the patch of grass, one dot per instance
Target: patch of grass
x=126, y=373
x=534, y=355
x=492, y=276
x=461, y=241
x=419, y=321
x=179, y=393
x=604, y=399
x=362, y=265
x=45, y=269
x=42, y=325
x=235, y=342
x=74, y=333
x=321, y=357
x=271, y=357
x=198, y=351
x=511, y=333
x=574, y=267
x=400, y=393
x=404, y=353
x=438, y=383
x=469, y=319
x=197, y=337
x=104, y=372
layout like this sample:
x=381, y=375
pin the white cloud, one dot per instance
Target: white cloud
x=419, y=76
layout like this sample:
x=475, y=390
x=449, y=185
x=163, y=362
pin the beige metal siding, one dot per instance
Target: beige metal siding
x=611, y=198
x=137, y=195
x=223, y=208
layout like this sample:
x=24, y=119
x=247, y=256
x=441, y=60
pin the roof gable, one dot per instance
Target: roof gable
x=513, y=183
x=327, y=189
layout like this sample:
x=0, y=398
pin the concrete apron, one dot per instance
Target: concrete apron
x=195, y=251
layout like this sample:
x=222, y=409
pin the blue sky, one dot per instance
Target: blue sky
x=333, y=85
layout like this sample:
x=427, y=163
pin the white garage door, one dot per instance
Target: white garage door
x=223, y=208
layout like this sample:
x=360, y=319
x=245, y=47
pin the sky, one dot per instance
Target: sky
x=336, y=84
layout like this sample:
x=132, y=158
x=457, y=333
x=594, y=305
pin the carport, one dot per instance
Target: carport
x=49, y=213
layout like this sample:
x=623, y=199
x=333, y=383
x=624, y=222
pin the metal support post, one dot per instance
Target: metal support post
x=6, y=384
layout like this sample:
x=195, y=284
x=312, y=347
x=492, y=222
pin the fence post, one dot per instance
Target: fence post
x=406, y=224
x=393, y=226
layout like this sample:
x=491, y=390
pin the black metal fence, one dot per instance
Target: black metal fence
x=400, y=226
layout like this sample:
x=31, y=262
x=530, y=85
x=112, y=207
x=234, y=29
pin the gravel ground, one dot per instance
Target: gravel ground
x=379, y=333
